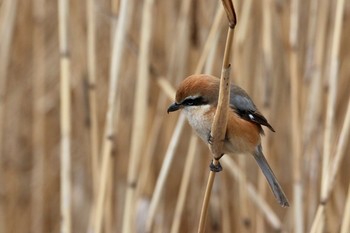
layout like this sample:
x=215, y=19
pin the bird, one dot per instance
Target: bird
x=197, y=96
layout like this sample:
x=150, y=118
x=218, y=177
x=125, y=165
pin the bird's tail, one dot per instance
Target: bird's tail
x=271, y=178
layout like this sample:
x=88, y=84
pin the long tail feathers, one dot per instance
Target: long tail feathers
x=271, y=178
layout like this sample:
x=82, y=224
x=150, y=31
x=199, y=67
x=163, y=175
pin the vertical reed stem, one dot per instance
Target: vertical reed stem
x=295, y=112
x=119, y=34
x=91, y=67
x=8, y=11
x=140, y=116
x=65, y=117
x=38, y=174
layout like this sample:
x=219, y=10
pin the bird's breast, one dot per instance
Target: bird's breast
x=200, y=119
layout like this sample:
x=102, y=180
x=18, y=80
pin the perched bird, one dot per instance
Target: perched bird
x=197, y=96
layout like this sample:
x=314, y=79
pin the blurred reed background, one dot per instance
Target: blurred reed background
x=86, y=144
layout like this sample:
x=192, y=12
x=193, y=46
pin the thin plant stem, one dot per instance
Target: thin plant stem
x=65, y=117
x=111, y=115
x=345, y=226
x=218, y=128
x=295, y=112
x=254, y=195
x=206, y=199
x=169, y=90
x=164, y=172
x=39, y=163
x=140, y=116
x=91, y=60
x=184, y=184
x=8, y=12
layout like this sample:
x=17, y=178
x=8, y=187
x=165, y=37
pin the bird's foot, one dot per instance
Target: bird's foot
x=210, y=139
x=215, y=167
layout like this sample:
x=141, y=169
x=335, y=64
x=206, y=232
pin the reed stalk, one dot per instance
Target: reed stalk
x=39, y=163
x=220, y=119
x=271, y=217
x=164, y=172
x=65, y=117
x=169, y=90
x=295, y=112
x=314, y=69
x=93, y=110
x=329, y=131
x=189, y=162
x=118, y=40
x=213, y=39
x=8, y=13
x=140, y=116
x=345, y=227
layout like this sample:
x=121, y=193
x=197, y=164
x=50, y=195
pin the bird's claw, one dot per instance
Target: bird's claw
x=210, y=139
x=215, y=168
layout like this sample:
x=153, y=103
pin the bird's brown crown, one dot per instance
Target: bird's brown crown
x=198, y=85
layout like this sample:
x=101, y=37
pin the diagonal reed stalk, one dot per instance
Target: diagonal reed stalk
x=189, y=163
x=168, y=89
x=263, y=207
x=329, y=172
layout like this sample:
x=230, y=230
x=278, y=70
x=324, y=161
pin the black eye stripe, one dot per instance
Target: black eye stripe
x=194, y=101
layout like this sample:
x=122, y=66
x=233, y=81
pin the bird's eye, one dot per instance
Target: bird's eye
x=189, y=102
x=194, y=101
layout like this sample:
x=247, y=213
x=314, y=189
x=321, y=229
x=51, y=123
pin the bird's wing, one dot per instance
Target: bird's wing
x=241, y=103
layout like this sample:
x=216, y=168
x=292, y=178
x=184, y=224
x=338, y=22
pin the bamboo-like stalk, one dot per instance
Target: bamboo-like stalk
x=65, y=117
x=345, y=226
x=295, y=112
x=225, y=207
x=311, y=38
x=169, y=90
x=317, y=224
x=139, y=120
x=93, y=123
x=240, y=75
x=206, y=199
x=164, y=172
x=38, y=175
x=314, y=62
x=340, y=151
x=267, y=76
x=213, y=38
x=166, y=87
x=8, y=13
x=184, y=184
x=221, y=114
x=331, y=101
x=254, y=195
x=244, y=217
x=318, y=220
x=111, y=115
x=108, y=207
x=333, y=75
x=91, y=67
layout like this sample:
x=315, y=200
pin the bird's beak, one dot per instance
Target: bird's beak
x=174, y=107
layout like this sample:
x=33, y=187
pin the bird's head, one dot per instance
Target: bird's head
x=196, y=90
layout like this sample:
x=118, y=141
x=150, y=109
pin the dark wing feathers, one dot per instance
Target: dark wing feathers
x=241, y=103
